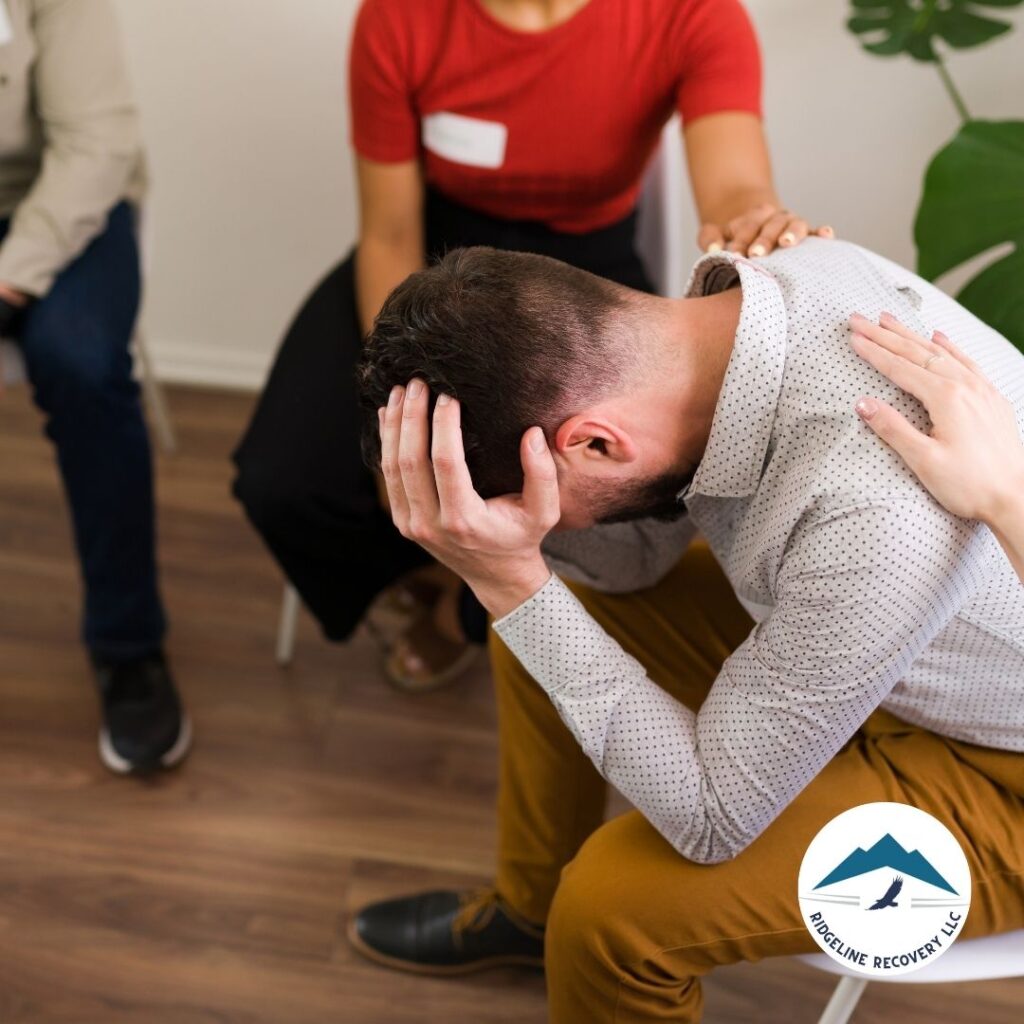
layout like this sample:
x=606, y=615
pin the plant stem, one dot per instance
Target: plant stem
x=954, y=93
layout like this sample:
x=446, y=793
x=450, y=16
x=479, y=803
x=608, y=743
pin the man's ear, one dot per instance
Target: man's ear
x=590, y=437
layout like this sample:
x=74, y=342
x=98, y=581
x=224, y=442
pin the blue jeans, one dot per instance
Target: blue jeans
x=76, y=345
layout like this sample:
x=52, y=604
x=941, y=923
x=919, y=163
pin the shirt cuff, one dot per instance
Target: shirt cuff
x=566, y=650
x=516, y=627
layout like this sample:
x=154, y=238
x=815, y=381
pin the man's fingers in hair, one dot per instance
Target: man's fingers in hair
x=897, y=431
x=454, y=484
x=414, y=461
x=711, y=238
x=540, y=480
x=390, y=430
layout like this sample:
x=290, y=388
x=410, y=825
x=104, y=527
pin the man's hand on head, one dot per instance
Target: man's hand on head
x=493, y=545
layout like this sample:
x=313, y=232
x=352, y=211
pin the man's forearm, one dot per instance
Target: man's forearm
x=638, y=736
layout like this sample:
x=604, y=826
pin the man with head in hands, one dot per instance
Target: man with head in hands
x=836, y=637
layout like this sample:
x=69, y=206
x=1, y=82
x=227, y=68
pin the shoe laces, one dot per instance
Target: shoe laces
x=477, y=910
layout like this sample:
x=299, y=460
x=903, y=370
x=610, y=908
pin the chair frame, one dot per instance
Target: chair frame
x=844, y=1000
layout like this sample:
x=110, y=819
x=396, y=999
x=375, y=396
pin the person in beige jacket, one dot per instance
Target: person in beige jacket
x=71, y=176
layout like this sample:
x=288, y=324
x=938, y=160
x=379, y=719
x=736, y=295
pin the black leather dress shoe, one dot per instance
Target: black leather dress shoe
x=446, y=933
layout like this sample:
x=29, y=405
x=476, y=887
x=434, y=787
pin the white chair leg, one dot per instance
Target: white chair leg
x=12, y=366
x=844, y=1000
x=153, y=393
x=286, y=628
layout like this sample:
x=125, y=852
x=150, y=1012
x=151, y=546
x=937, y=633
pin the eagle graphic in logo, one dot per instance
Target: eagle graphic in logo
x=889, y=899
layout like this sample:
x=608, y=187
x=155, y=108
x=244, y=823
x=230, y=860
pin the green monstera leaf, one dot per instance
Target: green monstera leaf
x=889, y=27
x=973, y=201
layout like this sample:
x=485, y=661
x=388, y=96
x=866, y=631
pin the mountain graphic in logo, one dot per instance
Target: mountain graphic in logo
x=886, y=853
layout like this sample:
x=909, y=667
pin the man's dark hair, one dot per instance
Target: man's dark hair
x=520, y=340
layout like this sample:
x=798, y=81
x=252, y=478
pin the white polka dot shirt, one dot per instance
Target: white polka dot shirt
x=865, y=591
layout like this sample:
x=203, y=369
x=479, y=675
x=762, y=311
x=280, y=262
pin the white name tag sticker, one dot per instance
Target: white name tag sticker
x=6, y=32
x=465, y=140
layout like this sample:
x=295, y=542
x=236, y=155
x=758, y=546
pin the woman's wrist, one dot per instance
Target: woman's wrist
x=1005, y=508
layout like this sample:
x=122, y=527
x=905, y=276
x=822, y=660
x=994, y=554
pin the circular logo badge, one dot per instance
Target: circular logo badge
x=884, y=889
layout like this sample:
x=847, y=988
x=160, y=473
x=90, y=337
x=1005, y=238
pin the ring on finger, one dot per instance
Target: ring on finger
x=931, y=359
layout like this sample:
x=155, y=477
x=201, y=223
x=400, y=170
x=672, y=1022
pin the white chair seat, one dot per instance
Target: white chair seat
x=995, y=956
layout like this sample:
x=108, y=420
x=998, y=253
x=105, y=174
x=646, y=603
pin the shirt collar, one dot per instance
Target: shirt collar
x=734, y=458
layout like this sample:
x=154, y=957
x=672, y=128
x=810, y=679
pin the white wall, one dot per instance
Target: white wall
x=245, y=117
x=246, y=123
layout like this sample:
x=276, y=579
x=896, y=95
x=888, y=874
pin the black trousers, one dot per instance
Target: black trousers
x=300, y=476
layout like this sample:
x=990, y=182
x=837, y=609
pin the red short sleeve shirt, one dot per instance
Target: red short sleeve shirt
x=553, y=126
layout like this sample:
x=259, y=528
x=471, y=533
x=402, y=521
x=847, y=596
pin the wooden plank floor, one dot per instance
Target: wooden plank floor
x=219, y=894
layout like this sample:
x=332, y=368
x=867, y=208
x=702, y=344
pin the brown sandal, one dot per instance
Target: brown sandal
x=394, y=611
x=424, y=659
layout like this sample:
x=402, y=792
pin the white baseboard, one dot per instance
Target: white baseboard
x=237, y=369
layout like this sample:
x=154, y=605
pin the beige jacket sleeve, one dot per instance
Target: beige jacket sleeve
x=91, y=145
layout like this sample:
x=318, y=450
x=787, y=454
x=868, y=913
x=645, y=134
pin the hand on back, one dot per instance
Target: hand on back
x=972, y=461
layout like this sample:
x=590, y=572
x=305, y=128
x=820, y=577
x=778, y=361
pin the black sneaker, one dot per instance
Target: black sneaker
x=446, y=933
x=143, y=728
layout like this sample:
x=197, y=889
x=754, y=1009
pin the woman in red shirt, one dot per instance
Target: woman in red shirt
x=518, y=124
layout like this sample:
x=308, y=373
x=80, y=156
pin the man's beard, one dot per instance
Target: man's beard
x=653, y=498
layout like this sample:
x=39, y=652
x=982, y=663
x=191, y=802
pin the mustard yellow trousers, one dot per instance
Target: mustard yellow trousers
x=631, y=924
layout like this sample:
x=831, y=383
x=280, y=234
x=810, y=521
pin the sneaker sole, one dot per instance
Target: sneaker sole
x=120, y=766
x=437, y=970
